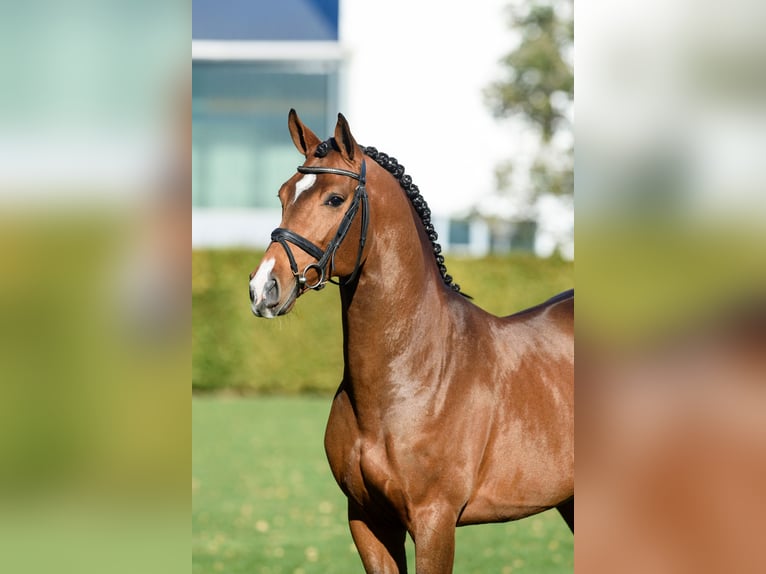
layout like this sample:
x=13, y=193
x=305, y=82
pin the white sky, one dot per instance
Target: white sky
x=414, y=89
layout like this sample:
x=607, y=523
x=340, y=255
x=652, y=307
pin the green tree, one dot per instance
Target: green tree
x=538, y=86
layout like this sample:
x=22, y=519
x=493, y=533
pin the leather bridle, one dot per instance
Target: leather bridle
x=283, y=236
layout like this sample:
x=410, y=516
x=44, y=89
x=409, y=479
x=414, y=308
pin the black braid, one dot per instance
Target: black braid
x=419, y=203
x=413, y=193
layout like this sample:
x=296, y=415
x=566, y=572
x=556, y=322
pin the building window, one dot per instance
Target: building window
x=241, y=149
x=459, y=233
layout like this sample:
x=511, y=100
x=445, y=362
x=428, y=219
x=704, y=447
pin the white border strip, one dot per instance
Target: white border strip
x=215, y=50
x=221, y=227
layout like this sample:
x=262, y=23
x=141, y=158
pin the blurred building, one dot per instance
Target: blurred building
x=252, y=60
x=394, y=73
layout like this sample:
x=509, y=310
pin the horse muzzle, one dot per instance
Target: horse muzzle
x=266, y=295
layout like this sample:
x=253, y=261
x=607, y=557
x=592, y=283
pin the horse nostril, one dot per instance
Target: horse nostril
x=271, y=293
x=252, y=294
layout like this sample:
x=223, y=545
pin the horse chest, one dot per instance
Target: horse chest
x=359, y=464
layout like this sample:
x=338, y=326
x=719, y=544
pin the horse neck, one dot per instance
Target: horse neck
x=391, y=313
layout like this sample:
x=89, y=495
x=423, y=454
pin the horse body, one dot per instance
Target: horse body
x=446, y=414
x=487, y=437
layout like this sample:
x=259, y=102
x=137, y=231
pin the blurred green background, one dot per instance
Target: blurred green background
x=263, y=497
x=302, y=352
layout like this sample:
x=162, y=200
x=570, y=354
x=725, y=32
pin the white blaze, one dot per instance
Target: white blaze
x=303, y=184
x=258, y=282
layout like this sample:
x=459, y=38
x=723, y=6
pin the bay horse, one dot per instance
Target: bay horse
x=446, y=415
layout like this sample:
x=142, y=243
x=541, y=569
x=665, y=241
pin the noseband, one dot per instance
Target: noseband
x=283, y=236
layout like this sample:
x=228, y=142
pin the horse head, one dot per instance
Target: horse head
x=324, y=221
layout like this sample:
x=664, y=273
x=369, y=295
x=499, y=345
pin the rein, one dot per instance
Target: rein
x=283, y=236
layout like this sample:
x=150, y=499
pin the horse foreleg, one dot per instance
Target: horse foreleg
x=381, y=547
x=566, y=509
x=433, y=531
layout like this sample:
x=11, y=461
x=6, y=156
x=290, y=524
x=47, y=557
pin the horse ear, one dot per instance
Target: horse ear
x=303, y=138
x=344, y=139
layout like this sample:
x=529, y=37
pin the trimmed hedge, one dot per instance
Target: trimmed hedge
x=302, y=352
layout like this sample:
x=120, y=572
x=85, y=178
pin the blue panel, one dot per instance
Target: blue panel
x=288, y=20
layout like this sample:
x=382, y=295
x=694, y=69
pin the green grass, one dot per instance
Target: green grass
x=264, y=501
x=302, y=352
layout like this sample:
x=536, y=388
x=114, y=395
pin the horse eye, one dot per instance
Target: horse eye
x=335, y=201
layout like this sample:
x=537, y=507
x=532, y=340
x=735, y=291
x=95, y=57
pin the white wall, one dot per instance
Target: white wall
x=233, y=227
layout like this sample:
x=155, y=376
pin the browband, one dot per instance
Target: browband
x=330, y=170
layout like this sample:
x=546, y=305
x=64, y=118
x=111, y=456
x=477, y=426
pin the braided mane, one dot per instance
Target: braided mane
x=391, y=165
